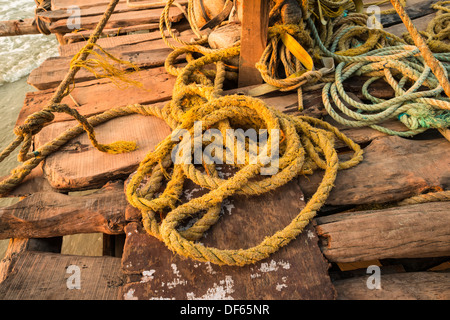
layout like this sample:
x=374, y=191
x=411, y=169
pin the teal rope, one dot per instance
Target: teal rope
x=417, y=110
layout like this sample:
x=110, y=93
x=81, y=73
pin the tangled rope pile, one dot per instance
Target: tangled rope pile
x=307, y=144
x=399, y=65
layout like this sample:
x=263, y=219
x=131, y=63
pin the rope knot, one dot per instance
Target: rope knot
x=34, y=123
x=423, y=116
x=279, y=29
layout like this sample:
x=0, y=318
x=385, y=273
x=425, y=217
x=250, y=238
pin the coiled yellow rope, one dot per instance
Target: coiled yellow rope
x=308, y=145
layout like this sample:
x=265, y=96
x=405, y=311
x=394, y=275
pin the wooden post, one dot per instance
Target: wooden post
x=60, y=38
x=255, y=22
x=17, y=27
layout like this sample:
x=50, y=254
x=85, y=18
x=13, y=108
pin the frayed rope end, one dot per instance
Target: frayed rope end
x=118, y=147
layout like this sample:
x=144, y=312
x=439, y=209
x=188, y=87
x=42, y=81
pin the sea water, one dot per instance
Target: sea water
x=19, y=55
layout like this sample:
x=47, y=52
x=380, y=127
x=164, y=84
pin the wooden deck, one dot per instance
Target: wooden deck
x=329, y=260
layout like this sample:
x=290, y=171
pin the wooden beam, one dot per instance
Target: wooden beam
x=79, y=166
x=414, y=9
x=110, y=42
x=97, y=96
x=296, y=271
x=52, y=214
x=85, y=34
x=51, y=72
x=34, y=182
x=95, y=8
x=15, y=248
x=415, y=231
x=397, y=286
x=17, y=27
x=85, y=4
x=18, y=246
x=121, y=19
x=45, y=276
x=393, y=169
x=152, y=40
x=255, y=23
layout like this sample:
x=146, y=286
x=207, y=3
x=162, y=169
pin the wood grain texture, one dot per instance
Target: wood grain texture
x=52, y=214
x=130, y=42
x=420, y=23
x=79, y=166
x=112, y=32
x=34, y=182
x=415, y=231
x=53, y=70
x=99, y=95
x=296, y=271
x=109, y=42
x=64, y=4
x=96, y=8
x=120, y=19
x=15, y=248
x=18, y=27
x=44, y=276
x=255, y=23
x=393, y=169
x=414, y=9
x=397, y=286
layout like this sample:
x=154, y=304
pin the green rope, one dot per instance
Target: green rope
x=417, y=110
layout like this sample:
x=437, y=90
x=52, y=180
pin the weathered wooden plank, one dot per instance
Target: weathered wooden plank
x=296, y=271
x=397, y=286
x=64, y=4
x=93, y=9
x=52, y=214
x=15, y=248
x=34, y=182
x=79, y=166
x=420, y=23
x=117, y=20
x=51, y=72
x=18, y=27
x=45, y=276
x=255, y=23
x=415, y=231
x=99, y=95
x=109, y=42
x=152, y=40
x=85, y=34
x=393, y=168
x=18, y=246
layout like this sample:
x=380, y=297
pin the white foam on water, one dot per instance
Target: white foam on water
x=19, y=55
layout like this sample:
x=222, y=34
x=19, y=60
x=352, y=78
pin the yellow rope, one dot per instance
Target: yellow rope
x=308, y=145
